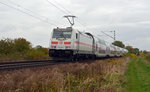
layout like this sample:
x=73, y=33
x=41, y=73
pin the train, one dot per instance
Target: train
x=72, y=44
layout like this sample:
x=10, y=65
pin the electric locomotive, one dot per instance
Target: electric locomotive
x=69, y=43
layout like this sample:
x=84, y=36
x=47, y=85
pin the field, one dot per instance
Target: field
x=98, y=76
x=138, y=76
x=126, y=74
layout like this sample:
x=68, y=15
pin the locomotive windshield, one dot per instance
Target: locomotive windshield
x=58, y=33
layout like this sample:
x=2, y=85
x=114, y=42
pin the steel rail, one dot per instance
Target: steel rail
x=26, y=64
x=7, y=66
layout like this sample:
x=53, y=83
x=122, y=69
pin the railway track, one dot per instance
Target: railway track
x=31, y=64
x=27, y=64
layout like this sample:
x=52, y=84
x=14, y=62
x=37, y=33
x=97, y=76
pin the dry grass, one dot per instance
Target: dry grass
x=21, y=59
x=98, y=76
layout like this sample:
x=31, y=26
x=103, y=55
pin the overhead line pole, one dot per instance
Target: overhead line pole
x=114, y=38
x=114, y=34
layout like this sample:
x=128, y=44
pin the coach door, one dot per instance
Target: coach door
x=77, y=38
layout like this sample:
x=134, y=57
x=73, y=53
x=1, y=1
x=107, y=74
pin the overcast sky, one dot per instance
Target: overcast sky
x=130, y=19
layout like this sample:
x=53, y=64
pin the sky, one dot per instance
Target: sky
x=34, y=20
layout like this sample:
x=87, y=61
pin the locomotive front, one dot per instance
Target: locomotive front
x=61, y=43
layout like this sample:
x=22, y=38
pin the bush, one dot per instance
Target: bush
x=9, y=46
x=37, y=53
x=130, y=55
x=21, y=45
x=44, y=50
x=20, y=49
x=6, y=46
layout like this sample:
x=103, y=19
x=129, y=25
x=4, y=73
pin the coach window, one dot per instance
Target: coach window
x=96, y=47
x=76, y=35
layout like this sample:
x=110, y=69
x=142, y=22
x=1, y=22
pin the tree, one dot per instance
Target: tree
x=145, y=52
x=119, y=44
x=130, y=49
x=38, y=47
x=136, y=51
x=6, y=46
x=21, y=45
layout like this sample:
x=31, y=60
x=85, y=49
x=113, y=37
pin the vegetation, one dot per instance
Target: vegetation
x=138, y=76
x=119, y=44
x=113, y=75
x=20, y=49
x=148, y=58
x=129, y=48
x=98, y=76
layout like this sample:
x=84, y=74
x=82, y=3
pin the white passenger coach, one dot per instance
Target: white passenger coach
x=69, y=43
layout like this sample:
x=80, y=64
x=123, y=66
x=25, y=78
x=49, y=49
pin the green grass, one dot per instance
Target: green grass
x=138, y=77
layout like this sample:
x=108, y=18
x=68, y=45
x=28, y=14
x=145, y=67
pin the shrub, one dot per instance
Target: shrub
x=130, y=55
x=6, y=46
x=20, y=49
x=36, y=53
x=21, y=45
x=9, y=46
x=44, y=50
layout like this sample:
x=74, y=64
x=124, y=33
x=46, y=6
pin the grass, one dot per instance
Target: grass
x=137, y=76
x=147, y=58
x=98, y=76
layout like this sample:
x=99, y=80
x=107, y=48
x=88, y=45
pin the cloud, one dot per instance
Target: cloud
x=130, y=19
x=140, y=43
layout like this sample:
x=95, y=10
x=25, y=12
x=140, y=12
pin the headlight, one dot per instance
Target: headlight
x=53, y=47
x=68, y=47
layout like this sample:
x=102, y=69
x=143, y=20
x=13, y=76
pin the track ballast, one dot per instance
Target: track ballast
x=27, y=64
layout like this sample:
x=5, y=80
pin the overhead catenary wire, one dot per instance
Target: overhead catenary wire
x=65, y=11
x=57, y=7
x=27, y=14
x=83, y=24
x=20, y=6
x=44, y=18
x=63, y=7
x=69, y=12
